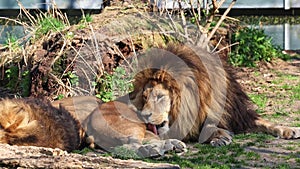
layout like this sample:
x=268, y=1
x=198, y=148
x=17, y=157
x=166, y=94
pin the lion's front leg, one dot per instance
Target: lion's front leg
x=160, y=147
x=283, y=132
x=215, y=136
x=152, y=146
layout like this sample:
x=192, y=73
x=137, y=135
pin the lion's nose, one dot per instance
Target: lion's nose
x=146, y=114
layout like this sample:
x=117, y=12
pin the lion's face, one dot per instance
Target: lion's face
x=157, y=105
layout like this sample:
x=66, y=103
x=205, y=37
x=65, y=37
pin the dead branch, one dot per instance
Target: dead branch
x=221, y=19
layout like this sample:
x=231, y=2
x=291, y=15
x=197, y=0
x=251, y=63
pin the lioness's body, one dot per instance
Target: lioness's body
x=110, y=120
x=61, y=124
x=70, y=123
x=35, y=122
x=112, y=124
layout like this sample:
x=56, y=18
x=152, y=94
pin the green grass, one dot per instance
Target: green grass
x=84, y=20
x=12, y=42
x=259, y=99
x=83, y=151
x=124, y=153
x=296, y=92
x=280, y=114
x=234, y=155
x=47, y=24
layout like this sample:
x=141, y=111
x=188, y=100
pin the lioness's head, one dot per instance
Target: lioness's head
x=157, y=105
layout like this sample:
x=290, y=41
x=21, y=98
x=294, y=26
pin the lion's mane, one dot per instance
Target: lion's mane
x=203, y=91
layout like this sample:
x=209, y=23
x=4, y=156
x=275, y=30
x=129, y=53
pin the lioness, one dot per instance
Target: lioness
x=37, y=122
x=187, y=93
x=112, y=124
x=75, y=122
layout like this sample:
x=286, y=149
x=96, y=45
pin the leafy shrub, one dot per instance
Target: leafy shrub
x=72, y=77
x=18, y=80
x=114, y=85
x=254, y=45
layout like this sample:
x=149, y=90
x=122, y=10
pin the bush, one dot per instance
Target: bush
x=254, y=45
x=111, y=86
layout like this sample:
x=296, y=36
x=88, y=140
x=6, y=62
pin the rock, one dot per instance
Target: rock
x=40, y=157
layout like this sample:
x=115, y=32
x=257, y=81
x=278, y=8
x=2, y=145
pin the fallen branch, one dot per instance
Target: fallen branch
x=221, y=19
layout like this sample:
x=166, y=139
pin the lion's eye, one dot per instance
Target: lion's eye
x=159, y=96
x=144, y=97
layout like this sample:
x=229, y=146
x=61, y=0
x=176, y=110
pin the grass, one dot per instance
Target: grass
x=206, y=156
x=48, y=23
x=236, y=155
x=259, y=99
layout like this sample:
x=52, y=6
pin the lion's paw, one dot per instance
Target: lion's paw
x=288, y=132
x=296, y=133
x=223, y=138
x=160, y=147
x=174, y=145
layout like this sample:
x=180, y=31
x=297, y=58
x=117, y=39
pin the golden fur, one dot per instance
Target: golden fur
x=112, y=124
x=178, y=94
x=205, y=101
x=72, y=123
x=35, y=122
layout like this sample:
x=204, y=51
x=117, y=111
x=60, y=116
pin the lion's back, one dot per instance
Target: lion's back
x=37, y=123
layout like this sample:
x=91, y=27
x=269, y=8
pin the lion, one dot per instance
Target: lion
x=114, y=124
x=188, y=94
x=178, y=96
x=77, y=122
x=35, y=122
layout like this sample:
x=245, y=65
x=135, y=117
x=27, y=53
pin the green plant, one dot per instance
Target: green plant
x=73, y=78
x=60, y=96
x=259, y=99
x=124, y=153
x=12, y=75
x=12, y=42
x=26, y=83
x=87, y=18
x=16, y=82
x=110, y=86
x=84, y=20
x=254, y=45
x=48, y=23
x=83, y=151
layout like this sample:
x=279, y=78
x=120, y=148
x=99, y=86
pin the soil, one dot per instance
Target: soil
x=268, y=79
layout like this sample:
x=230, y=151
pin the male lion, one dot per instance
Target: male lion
x=189, y=95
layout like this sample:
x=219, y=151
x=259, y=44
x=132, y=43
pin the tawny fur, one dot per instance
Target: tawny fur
x=37, y=123
x=65, y=124
x=205, y=96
